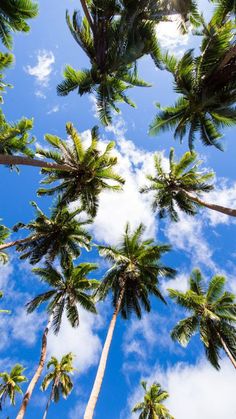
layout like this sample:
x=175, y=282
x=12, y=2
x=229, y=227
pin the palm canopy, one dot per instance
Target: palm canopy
x=212, y=313
x=59, y=376
x=109, y=37
x=135, y=270
x=152, y=406
x=91, y=170
x=171, y=188
x=207, y=85
x=6, y=61
x=13, y=16
x=4, y=234
x=62, y=234
x=224, y=9
x=15, y=137
x=11, y=384
x=68, y=288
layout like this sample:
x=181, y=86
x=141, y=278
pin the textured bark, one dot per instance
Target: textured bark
x=89, y=412
x=224, y=210
x=15, y=243
x=227, y=351
x=28, y=161
x=49, y=402
x=37, y=373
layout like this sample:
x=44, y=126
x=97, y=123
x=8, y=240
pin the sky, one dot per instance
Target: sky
x=141, y=349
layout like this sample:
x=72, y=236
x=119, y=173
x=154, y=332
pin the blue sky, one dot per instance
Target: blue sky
x=140, y=349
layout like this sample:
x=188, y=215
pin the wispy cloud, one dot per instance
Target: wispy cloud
x=42, y=70
x=54, y=109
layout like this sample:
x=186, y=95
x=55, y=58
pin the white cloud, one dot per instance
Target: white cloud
x=25, y=327
x=82, y=341
x=180, y=283
x=42, y=70
x=170, y=37
x=196, y=391
x=187, y=235
x=224, y=195
x=54, y=109
x=40, y=94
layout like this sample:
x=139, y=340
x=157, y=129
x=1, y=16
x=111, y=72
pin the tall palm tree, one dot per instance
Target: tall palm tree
x=224, y=9
x=60, y=378
x=11, y=384
x=6, y=61
x=180, y=187
x=131, y=280
x=62, y=234
x=152, y=406
x=13, y=16
x=68, y=288
x=212, y=314
x=207, y=85
x=4, y=234
x=113, y=35
x=91, y=170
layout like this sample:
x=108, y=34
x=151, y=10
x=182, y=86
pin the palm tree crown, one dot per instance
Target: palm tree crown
x=62, y=234
x=11, y=384
x=59, y=376
x=174, y=186
x=207, y=85
x=6, y=61
x=135, y=271
x=68, y=289
x=152, y=406
x=91, y=170
x=14, y=138
x=13, y=16
x=213, y=314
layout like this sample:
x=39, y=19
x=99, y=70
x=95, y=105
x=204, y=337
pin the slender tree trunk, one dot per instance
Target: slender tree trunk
x=227, y=351
x=224, y=210
x=49, y=402
x=14, y=243
x=87, y=14
x=37, y=373
x=28, y=161
x=89, y=412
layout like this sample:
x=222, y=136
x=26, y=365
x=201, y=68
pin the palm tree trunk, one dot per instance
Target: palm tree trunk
x=28, y=161
x=89, y=412
x=87, y=14
x=49, y=402
x=224, y=210
x=227, y=351
x=14, y=243
x=38, y=371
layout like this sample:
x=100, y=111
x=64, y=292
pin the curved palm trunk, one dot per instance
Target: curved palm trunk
x=224, y=210
x=15, y=243
x=89, y=412
x=28, y=161
x=227, y=351
x=37, y=373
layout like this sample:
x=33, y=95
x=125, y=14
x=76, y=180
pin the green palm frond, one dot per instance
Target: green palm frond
x=213, y=315
x=152, y=406
x=10, y=384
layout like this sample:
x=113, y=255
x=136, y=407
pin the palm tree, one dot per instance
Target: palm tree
x=207, y=85
x=212, y=313
x=132, y=278
x=62, y=234
x=6, y=61
x=68, y=289
x=3, y=311
x=181, y=186
x=60, y=378
x=91, y=171
x=4, y=234
x=11, y=384
x=152, y=407
x=13, y=16
x=224, y=9
x=113, y=36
